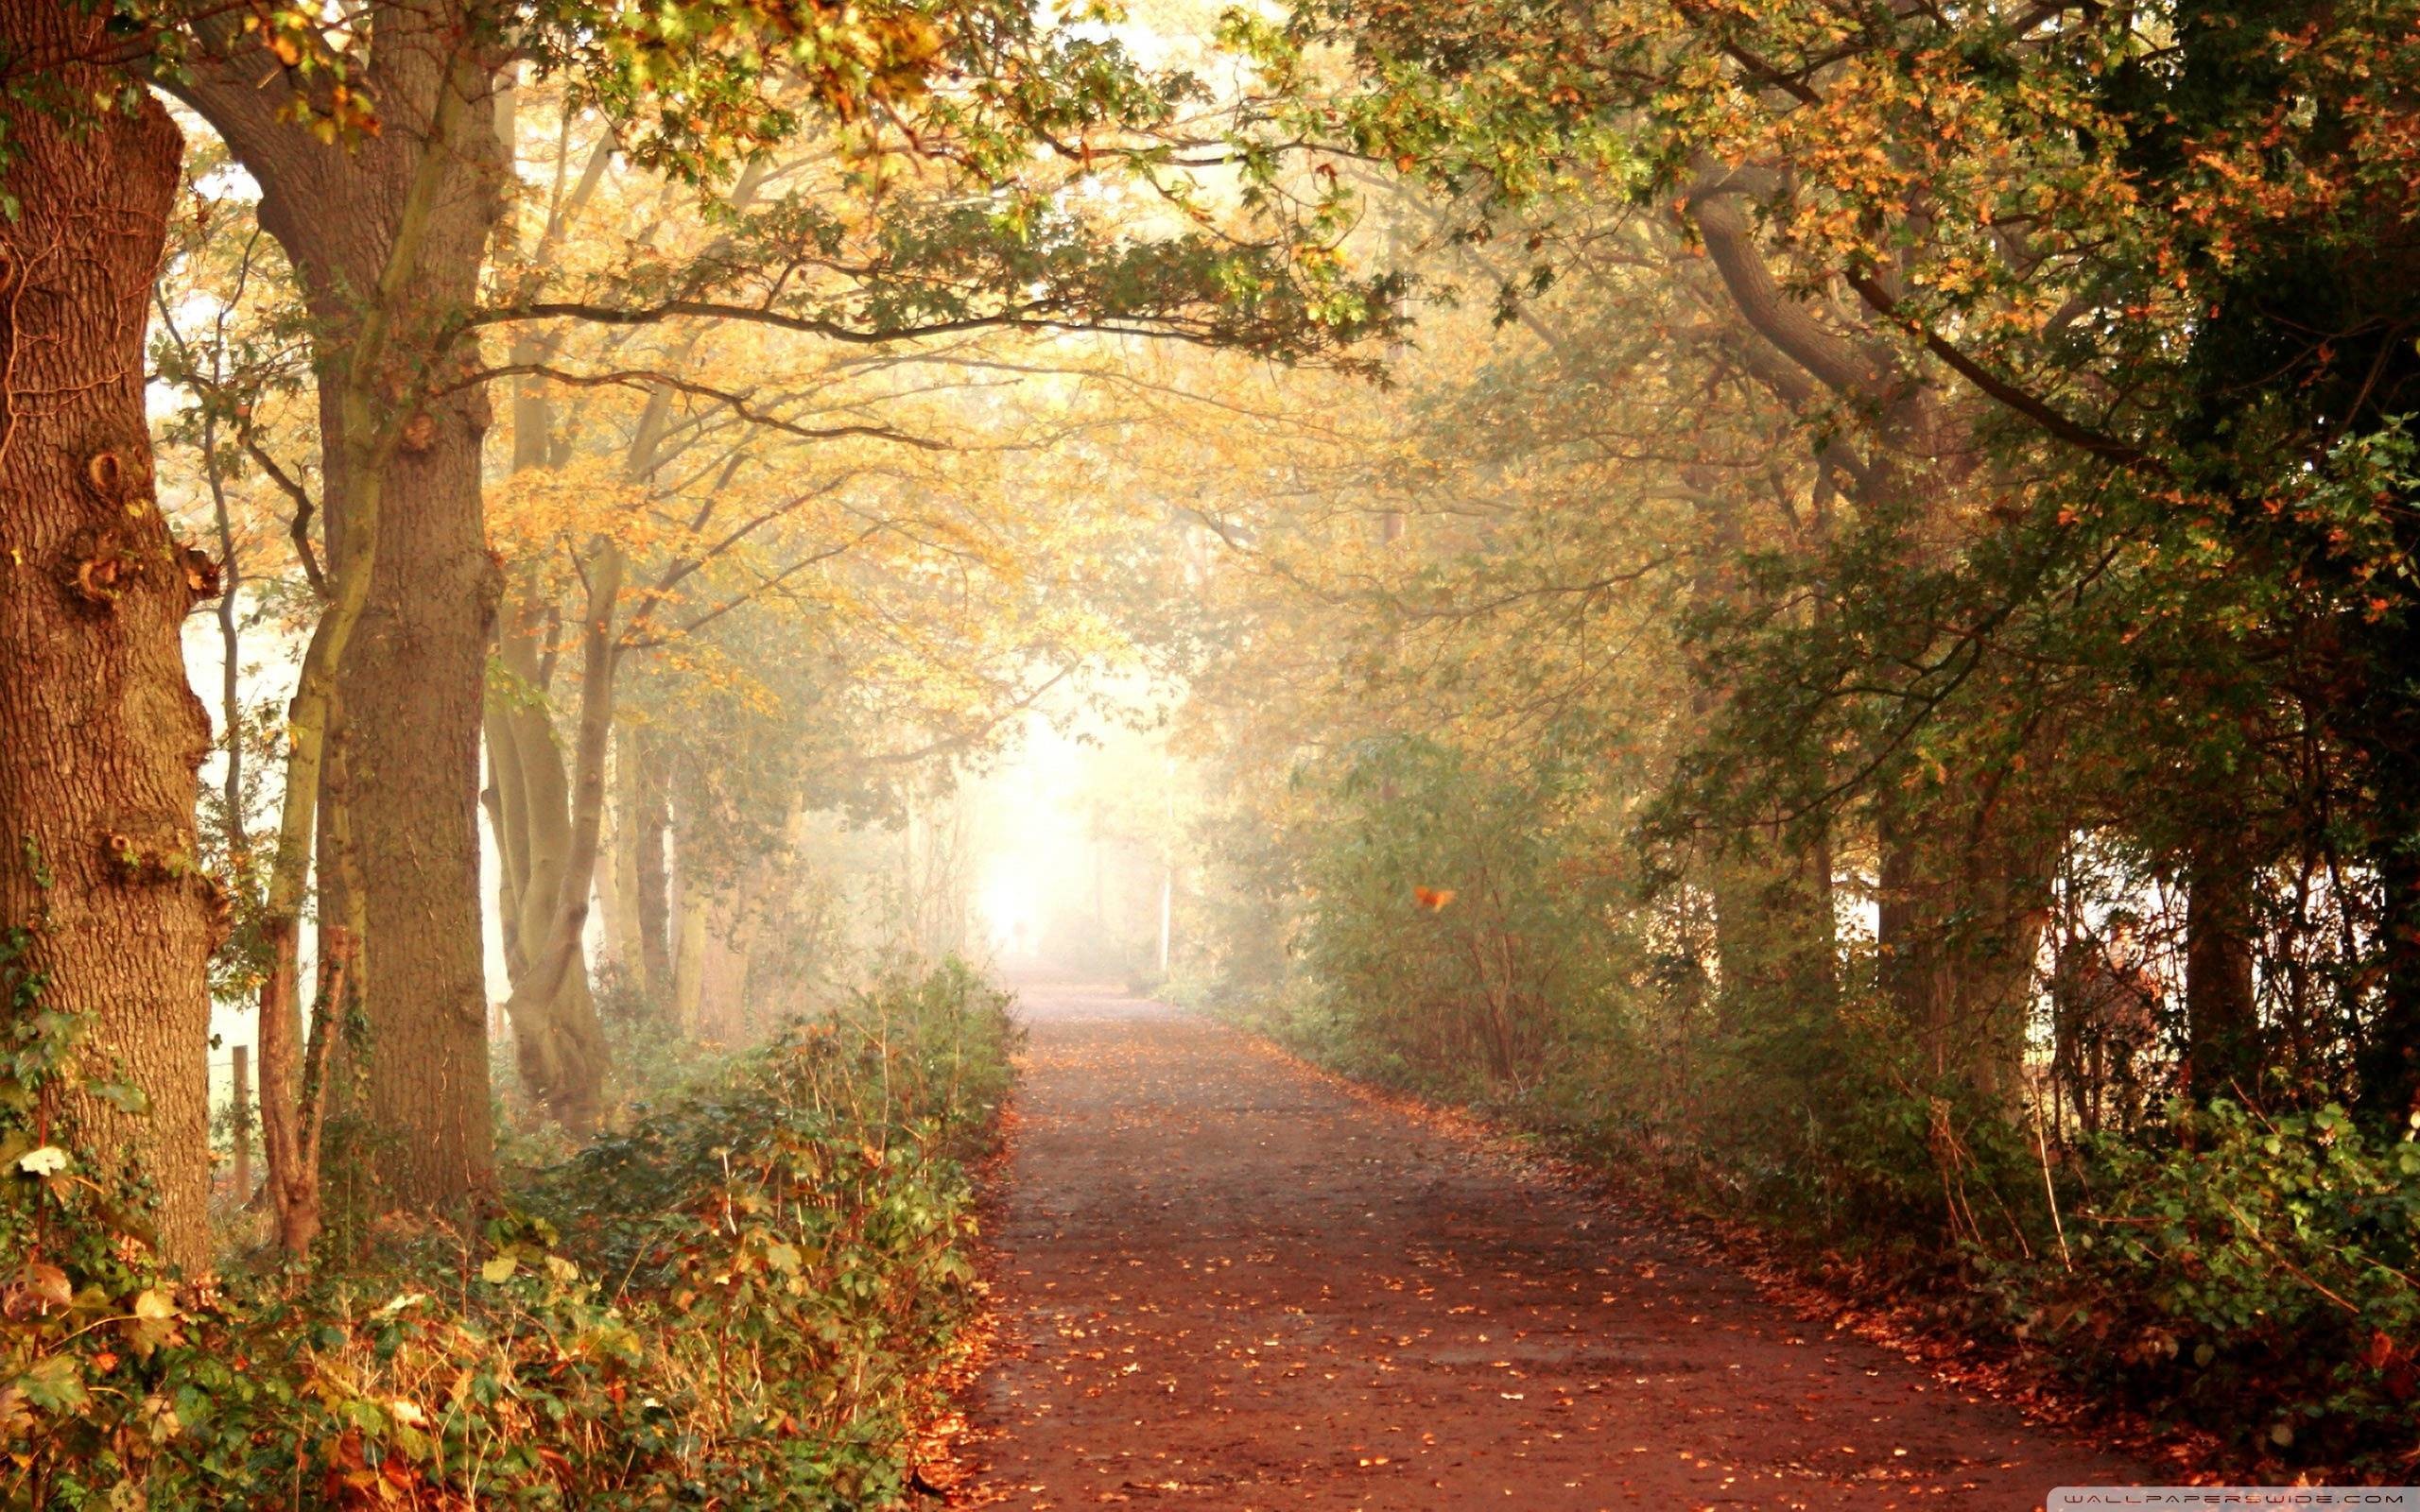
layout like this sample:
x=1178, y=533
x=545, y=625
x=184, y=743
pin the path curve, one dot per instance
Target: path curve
x=1226, y=1283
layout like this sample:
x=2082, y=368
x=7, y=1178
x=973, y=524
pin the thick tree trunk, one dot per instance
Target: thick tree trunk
x=102, y=734
x=411, y=692
x=410, y=684
x=1908, y=936
x=2007, y=903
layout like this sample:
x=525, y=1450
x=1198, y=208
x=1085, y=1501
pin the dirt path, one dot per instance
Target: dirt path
x=1227, y=1284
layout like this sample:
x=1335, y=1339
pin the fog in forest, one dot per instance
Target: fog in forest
x=773, y=753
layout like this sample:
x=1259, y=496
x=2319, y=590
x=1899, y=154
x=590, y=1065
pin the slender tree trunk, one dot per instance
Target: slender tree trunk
x=689, y=957
x=729, y=938
x=102, y=734
x=550, y=819
x=1907, y=935
x=2390, y=1059
x=1773, y=934
x=652, y=883
x=411, y=683
x=617, y=864
x=506, y=810
x=553, y=809
x=2221, y=1017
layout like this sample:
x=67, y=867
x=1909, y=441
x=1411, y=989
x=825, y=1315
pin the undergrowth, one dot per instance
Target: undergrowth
x=739, y=1302
x=2253, y=1277
x=1471, y=937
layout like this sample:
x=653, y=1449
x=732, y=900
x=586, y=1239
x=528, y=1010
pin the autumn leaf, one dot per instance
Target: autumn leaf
x=46, y=1161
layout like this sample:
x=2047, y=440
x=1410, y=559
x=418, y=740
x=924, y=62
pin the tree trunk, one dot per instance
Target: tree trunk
x=1959, y=926
x=2390, y=1057
x=1773, y=934
x=411, y=689
x=2007, y=907
x=103, y=735
x=652, y=881
x=2221, y=1017
x=1908, y=936
x=689, y=957
x=550, y=818
x=722, y=987
x=411, y=683
x=618, y=865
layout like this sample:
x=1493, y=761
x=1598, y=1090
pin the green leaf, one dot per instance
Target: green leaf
x=55, y=1384
x=499, y=1270
x=124, y=1096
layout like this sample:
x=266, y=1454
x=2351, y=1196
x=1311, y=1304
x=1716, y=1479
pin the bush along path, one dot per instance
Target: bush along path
x=743, y=1300
x=1225, y=1282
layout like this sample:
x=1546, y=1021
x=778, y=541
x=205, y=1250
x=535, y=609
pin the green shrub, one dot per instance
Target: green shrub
x=740, y=1301
x=2254, y=1276
x=1445, y=942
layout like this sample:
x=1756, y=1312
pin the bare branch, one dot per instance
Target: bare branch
x=741, y=404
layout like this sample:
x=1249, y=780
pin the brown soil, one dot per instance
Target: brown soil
x=1226, y=1283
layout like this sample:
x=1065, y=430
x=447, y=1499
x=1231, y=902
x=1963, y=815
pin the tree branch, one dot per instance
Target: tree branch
x=2046, y=416
x=647, y=378
x=1030, y=317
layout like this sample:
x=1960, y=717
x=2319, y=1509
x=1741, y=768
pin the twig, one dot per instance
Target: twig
x=2042, y=1144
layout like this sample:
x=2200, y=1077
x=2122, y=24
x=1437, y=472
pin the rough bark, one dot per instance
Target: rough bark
x=103, y=735
x=411, y=683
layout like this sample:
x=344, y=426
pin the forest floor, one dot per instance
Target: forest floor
x=1226, y=1282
